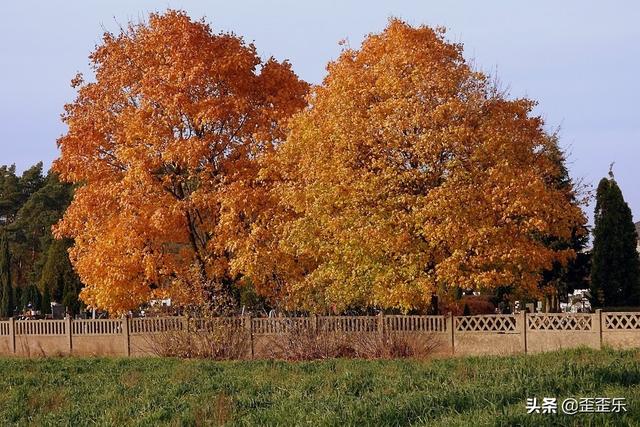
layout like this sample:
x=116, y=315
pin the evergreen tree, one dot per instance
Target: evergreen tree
x=615, y=267
x=46, y=301
x=70, y=296
x=31, y=230
x=30, y=182
x=58, y=276
x=573, y=275
x=31, y=295
x=6, y=288
x=29, y=205
x=10, y=194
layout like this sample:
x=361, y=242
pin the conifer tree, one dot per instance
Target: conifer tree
x=6, y=289
x=46, y=300
x=615, y=269
x=31, y=295
x=58, y=276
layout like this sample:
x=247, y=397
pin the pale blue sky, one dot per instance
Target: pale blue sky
x=579, y=59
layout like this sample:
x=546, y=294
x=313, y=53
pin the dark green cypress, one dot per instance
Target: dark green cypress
x=615, y=266
x=31, y=295
x=6, y=288
x=46, y=301
x=59, y=277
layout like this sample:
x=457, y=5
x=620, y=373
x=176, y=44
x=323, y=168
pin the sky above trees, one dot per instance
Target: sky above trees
x=579, y=61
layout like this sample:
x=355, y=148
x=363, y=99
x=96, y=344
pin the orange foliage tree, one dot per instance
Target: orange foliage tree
x=163, y=145
x=410, y=173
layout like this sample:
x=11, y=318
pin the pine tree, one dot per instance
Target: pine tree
x=58, y=276
x=615, y=268
x=6, y=289
x=10, y=194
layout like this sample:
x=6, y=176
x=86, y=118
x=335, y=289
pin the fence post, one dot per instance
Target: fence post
x=597, y=322
x=381, y=324
x=248, y=326
x=452, y=328
x=125, y=336
x=314, y=322
x=12, y=334
x=68, y=321
x=523, y=330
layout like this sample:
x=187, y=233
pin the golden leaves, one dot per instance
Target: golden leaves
x=410, y=173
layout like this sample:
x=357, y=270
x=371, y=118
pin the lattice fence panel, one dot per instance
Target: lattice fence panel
x=487, y=323
x=621, y=321
x=559, y=322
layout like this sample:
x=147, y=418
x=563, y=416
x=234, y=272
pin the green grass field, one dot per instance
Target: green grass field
x=458, y=392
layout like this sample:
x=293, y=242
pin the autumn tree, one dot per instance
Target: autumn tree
x=163, y=145
x=411, y=173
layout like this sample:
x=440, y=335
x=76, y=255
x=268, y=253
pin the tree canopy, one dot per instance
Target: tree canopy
x=163, y=145
x=30, y=204
x=410, y=173
x=200, y=168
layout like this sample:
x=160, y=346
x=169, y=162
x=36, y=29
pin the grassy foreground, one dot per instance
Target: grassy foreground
x=457, y=392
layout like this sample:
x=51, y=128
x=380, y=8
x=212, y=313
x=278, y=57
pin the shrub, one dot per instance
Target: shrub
x=209, y=340
x=301, y=343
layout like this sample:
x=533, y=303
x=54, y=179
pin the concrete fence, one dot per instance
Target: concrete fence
x=463, y=335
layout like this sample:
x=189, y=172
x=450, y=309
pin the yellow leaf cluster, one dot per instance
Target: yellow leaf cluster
x=409, y=174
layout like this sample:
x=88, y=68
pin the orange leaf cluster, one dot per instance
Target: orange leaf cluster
x=408, y=173
x=162, y=143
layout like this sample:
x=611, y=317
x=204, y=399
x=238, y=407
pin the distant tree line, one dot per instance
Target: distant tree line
x=34, y=267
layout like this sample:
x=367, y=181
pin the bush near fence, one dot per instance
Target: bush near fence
x=463, y=335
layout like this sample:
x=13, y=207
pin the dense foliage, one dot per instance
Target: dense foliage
x=163, y=143
x=615, y=269
x=410, y=174
x=6, y=287
x=29, y=205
